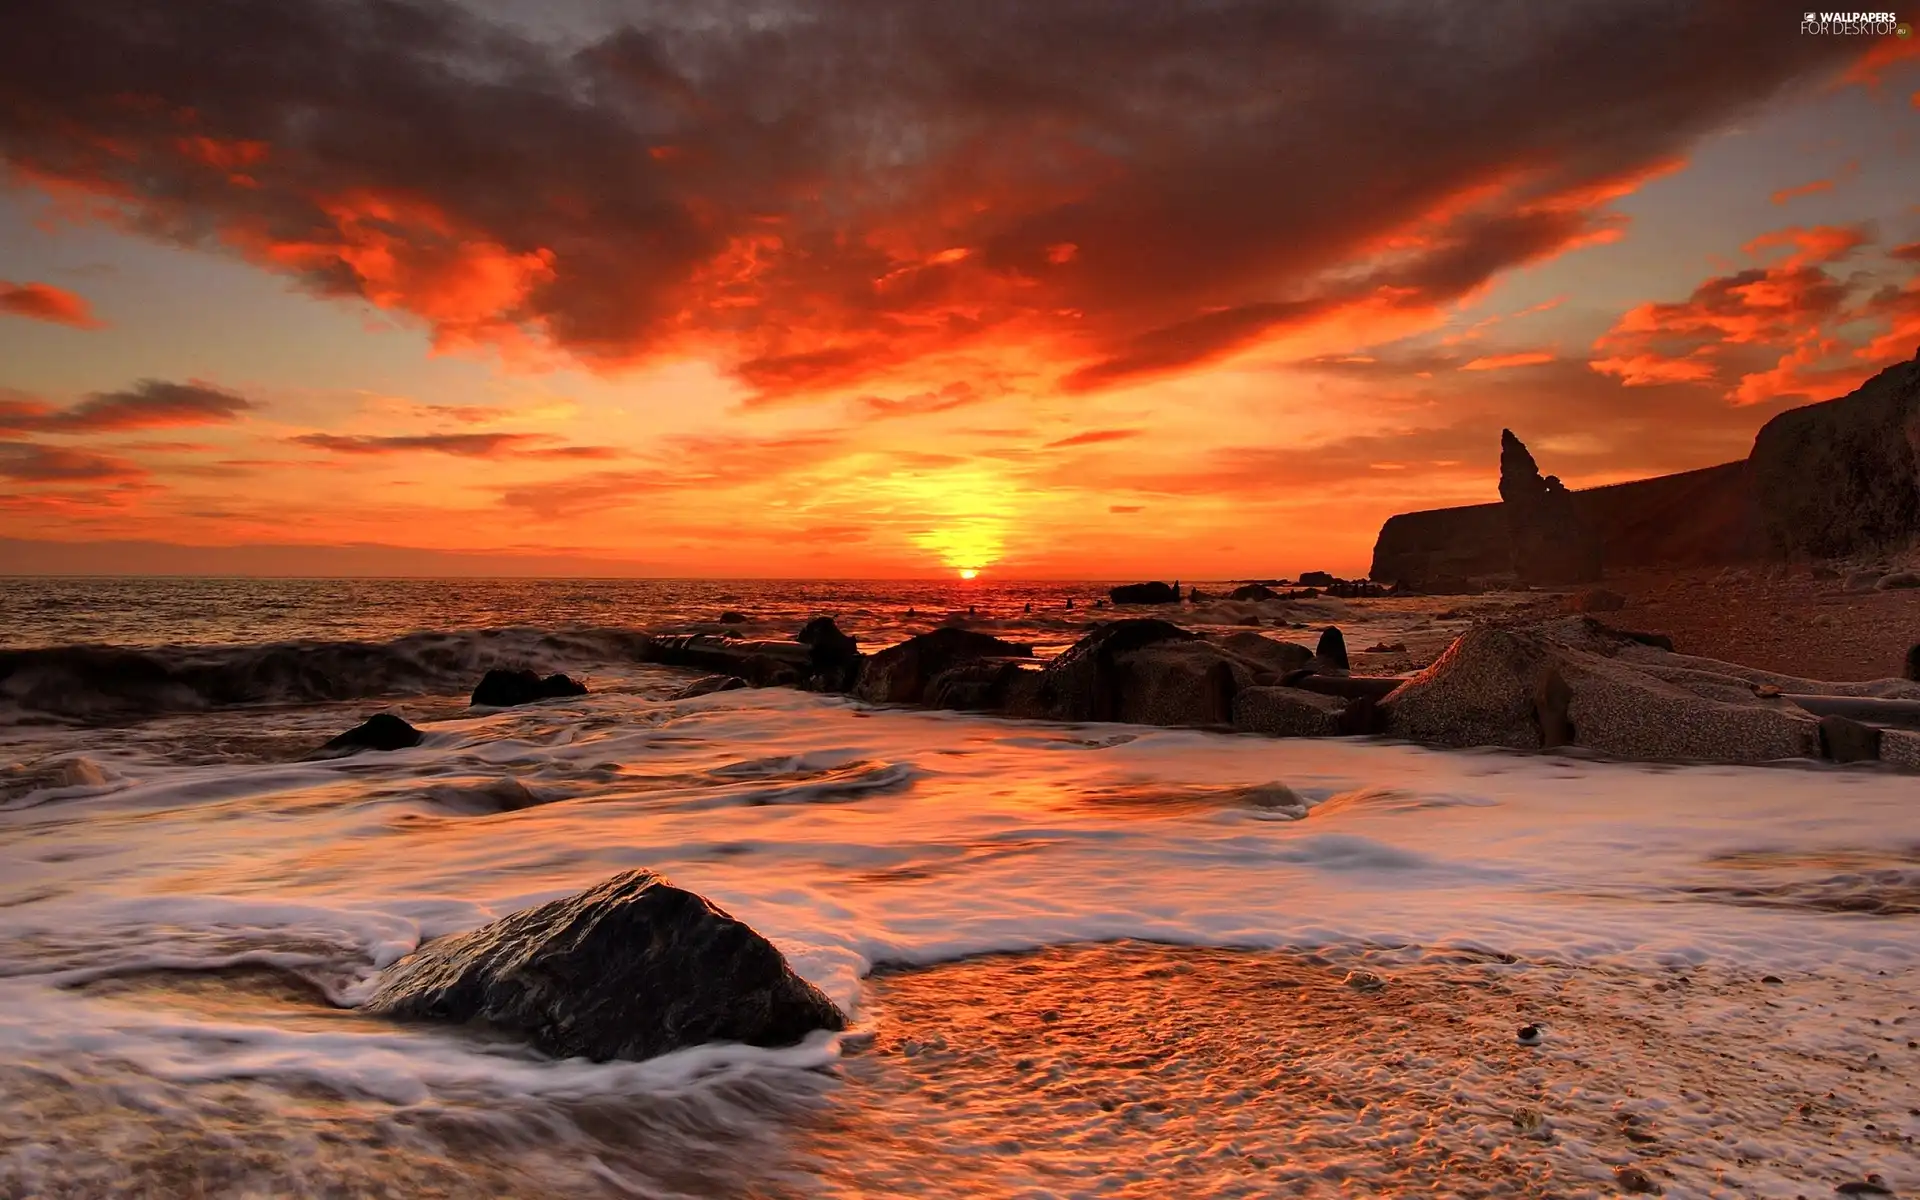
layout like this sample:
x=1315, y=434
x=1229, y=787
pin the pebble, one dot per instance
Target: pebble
x=1633, y=1179
x=1529, y=1035
x=1365, y=981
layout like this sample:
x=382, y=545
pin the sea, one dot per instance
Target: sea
x=1080, y=960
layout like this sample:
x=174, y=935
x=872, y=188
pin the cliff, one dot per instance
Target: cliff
x=1835, y=478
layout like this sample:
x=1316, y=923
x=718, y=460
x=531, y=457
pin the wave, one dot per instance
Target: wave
x=105, y=682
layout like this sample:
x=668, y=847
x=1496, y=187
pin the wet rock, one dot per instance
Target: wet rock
x=1331, y=654
x=633, y=968
x=1913, y=662
x=1286, y=712
x=381, y=731
x=501, y=688
x=707, y=685
x=733, y=618
x=1529, y=1035
x=1845, y=741
x=1549, y=541
x=900, y=674
x=1862, y=581
x=1634, y=1180
x=979, y=685
x=1083, y=683
x=1387, y=648
x=1253, y=592
x=1872, y=1185
x=1494, y=687
x=1141, y=670
x=1281, y=656
x=833, y=657
x=1594, y=600
x=1144, y=593
x=1898, y=580
x=1316, y=579
x=1365, y=981
x=1196, y=596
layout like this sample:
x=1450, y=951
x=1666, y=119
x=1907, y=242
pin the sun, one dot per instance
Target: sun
x=968, y=573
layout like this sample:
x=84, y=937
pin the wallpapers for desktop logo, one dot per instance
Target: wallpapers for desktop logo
x=1856, y=24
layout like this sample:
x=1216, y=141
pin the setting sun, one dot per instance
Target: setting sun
x=968, y=573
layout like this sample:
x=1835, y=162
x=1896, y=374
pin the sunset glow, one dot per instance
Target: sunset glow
x=914, y=331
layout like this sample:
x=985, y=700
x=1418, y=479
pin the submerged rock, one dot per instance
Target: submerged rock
x=1145, y=593
x=501, y=688
x=630, y=969
x=381, y=731
x=707, y=685
x=901, y=674
x=833, y=656
x=1253, y=592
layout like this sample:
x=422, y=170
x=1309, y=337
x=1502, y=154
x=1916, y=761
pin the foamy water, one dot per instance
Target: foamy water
x=196, y=842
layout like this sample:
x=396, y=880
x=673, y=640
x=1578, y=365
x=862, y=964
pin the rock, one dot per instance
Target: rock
x=1331, y=654
x=706, y=685
x=1633, y=1179
x=1365, y=981
x=633, y=968
x=1286, y=712
x=1843, y=477
x=1144, y=593
x=1253, y=593
x=1387, y=648
x=1281, y=656
x=1506, y=687
x=1913, y=662
x=1843, y=740
x=1196, y=596
x=1140, y=670
x=1862, y=581
x=1082, y=684
x=900, y=674
x=1178, y=683
x=1317, y=579
x=1872, y=1185
x=1898, y=580
x=1595, y=600
x=1529, y=1035
x=501, y=688
x=1823, y=571
x=980, y=685
x=733, y=618
x=381, y=731
x=1550, y=542
x=833, y=657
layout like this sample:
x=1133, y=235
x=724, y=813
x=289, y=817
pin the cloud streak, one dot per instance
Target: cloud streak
x=44, y=302
x=149, y=404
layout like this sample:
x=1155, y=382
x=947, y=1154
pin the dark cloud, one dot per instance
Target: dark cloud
x=149, y=404
x=44, y=302
x=819, y=192
x=25, y=462
x=463, y=445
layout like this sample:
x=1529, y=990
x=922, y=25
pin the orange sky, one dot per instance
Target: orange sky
x=886, y=289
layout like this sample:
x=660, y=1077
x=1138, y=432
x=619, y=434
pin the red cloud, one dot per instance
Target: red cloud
x=1500, y=362
x=819, y=200
x=463, y=445
x=44, y=302
x=1094, y=437
x=1765, y=332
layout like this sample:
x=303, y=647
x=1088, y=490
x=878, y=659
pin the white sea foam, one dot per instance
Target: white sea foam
x=853, y=837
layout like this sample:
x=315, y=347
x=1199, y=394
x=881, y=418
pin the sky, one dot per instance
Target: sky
x=892, y=289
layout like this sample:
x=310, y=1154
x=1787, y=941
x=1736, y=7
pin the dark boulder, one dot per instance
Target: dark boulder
x=501, y=688
x=1843, y=477
x=1196, y=596
x=1331, y=655
x=900, y=674
x=833, y=657
x=381, y=731
x=707, y=685
x=1550, y=542
x=1594, y=600
x=978, y=685
x=1913, y=662
x=733, y=618
x=1286, y=712
x=1281, y=656
x=1083, y=683
x=1316, y=579
x=1253, y=592
x=1145, y=593
x=630, y=969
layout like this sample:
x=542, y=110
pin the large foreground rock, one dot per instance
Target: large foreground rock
x=501, y=688
x=900, y=674
x=633, y=968
x=1517, y=688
